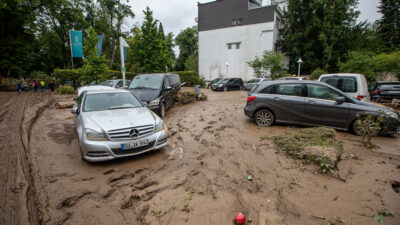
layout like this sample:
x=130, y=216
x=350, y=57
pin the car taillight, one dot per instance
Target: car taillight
x=375, y=92
x=360, y=97
x=251, y=98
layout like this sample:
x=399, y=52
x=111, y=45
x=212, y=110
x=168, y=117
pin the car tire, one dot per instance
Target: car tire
x=225, y=89
x=264, y=118
x=359, y=131
x=162, y=110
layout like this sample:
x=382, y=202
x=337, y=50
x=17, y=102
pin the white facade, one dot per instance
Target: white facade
x=217, y=60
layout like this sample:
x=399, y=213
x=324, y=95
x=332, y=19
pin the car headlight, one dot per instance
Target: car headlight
x=392, y=114
x=154, y=102
x=220, y=85
x=92, y=135
x=160, y=126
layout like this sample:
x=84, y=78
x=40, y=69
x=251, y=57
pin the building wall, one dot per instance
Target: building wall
x=214, y=53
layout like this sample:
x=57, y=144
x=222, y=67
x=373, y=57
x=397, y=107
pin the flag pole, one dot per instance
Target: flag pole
x=70, y=45
x=122, y=61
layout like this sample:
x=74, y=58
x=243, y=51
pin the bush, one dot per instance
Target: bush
x=316, y=73
x=65, y=90
x=191, y=78
x=67, y=75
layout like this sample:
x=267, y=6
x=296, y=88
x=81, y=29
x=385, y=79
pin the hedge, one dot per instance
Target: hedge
x=191, y=78
x=74, y=75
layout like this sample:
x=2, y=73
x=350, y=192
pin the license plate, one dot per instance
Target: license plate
x=135, y=144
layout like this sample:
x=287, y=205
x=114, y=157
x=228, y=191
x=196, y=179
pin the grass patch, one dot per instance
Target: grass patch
x=65, y=90
x=294, y=143
x=382, y=214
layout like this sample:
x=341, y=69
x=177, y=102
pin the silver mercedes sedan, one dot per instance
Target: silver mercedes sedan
x=114, y=123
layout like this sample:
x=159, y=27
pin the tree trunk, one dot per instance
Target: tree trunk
x=64, y=105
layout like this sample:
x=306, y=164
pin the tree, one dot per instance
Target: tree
x=58, y=17
x=95, y=67
x=187, y=40
x=269, y=65
x=150, y=52
x=192, y=63
x=18, y=46
x=115, y=12
x=389, y=24
x=359, y=62
x=320, y=32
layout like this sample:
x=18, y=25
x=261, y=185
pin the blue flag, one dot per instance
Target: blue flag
x=99, y=45
x=76, y=43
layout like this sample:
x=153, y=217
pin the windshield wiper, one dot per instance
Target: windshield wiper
x=122, y=107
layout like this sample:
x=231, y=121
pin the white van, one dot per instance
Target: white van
x=353, y=84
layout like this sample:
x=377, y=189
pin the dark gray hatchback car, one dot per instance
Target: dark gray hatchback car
x=313, y=104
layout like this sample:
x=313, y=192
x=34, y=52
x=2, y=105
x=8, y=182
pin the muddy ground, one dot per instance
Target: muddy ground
x=200, y=178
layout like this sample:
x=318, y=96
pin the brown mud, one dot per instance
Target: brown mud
x=199, y=178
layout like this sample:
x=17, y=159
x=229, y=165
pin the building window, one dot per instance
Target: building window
x=233, y=22
x=237, y=44
x=239, y=21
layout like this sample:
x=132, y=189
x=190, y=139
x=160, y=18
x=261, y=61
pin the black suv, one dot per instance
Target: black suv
x=384, y=91
x=226, y=84
x=158, y=91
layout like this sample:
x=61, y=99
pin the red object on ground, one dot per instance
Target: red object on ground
x=240, y=218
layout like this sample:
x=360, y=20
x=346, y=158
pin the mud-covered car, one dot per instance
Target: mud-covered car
x=314, y=104
x=115, y=123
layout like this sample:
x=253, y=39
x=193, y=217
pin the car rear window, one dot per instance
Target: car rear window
x=267, y=90
x=346, y=84
x=390, y=86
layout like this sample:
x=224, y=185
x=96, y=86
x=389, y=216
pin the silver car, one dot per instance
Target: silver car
x=254, y=82
x=114, y=123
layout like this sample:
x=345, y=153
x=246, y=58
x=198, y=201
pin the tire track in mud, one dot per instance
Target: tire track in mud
x=32, y=200
x=17, y=192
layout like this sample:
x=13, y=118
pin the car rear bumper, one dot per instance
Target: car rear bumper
x=99, y=151
x=249, y=111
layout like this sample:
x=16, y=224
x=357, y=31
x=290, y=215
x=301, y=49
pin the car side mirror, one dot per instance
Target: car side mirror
x=340, y=100
x=145, y=104
x=74, y=110
x=168, y=88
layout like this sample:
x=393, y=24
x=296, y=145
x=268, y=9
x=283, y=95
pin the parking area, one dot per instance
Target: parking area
x=202, y=176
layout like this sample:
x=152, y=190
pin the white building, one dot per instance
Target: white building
x=233, y=32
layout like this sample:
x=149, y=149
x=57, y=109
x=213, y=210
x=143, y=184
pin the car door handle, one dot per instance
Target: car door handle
x=310, y=102
x=277, y=98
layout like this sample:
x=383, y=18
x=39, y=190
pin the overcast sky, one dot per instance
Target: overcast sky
x=177, y=15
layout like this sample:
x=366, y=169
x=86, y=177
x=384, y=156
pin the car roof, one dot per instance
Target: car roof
x=341, y=74
x=106, y=91
x=156, y=74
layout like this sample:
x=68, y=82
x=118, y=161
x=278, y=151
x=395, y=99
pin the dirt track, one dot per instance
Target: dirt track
x=200, y=178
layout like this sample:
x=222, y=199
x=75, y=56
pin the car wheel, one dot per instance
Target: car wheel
x=225, y=89
x=364, y=128
x=264, y=118
x=162, y=110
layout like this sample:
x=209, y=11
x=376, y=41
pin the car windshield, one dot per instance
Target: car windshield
x=109, y=83
x=110, y=101
x=224, y=80
x=146, y=82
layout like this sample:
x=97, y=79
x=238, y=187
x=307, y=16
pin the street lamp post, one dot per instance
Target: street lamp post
x=227, y=65
x=299, y=62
